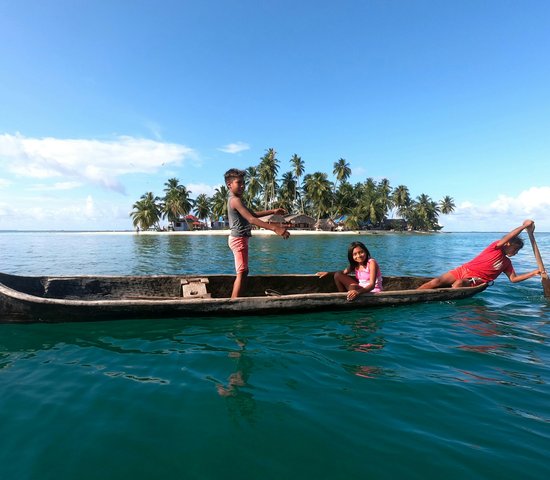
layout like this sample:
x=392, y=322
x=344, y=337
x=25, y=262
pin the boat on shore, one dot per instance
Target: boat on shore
x=26, y=299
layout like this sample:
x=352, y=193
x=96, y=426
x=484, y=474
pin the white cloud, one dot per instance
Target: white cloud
x=5, y=210
x=534, y=201
x=79, y=214
x=502, y=214
x=56, y=186
x=92, y=161
x=197, y=188
x=235, y=147
x=89, y=209
x=360, y=173
x=4, y=183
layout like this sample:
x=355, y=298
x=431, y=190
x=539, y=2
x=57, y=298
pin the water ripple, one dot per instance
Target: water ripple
x=456, y=388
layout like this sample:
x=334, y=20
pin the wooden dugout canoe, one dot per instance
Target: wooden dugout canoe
x=87, y=298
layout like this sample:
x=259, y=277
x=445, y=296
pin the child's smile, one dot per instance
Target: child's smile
x=359, y=255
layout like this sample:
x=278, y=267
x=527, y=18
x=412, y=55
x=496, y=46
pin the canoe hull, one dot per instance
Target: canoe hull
x=92, y=298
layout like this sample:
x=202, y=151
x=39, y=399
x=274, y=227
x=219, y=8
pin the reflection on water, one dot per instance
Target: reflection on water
x=474, y=377
x=288, y=370
x=528, y=415
x=365, y=371
x=240, y=400
x=364, y=338
x=135, y=378
x=481, y=320
x=181, y=254
x=237, y=378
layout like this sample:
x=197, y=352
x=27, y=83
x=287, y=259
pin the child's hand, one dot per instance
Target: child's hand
x=279, y=211
x=352, y=294
x=283, y=232
x=322, y=274
x=529, y=225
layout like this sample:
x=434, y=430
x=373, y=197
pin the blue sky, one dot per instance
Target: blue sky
x=102, y=101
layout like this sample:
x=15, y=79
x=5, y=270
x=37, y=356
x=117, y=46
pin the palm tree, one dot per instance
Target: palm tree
x=202, y=207
x=147, y=211
x=318, y=190
x=345, y=199
x=369, y=187
x=447, y=205
x=287, y=192
x=374, y=210
x=298, y=170
x=268, y=168
x=384, y=195
x=341, y=170
x=367, y=196
x=176, y=201
x=253, y=185
x=401, y=199
x=367, y=201
x=426, y=213
x=218, y=203
x=355, y=218
x=410, y=214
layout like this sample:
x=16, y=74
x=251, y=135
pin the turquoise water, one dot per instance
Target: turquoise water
x=445, y=390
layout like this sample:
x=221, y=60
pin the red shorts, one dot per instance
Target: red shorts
x=239, y=247
x=462, y=273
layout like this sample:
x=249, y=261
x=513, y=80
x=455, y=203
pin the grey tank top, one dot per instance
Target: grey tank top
x=240, y=226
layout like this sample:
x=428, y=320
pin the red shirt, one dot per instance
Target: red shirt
x=490, y=263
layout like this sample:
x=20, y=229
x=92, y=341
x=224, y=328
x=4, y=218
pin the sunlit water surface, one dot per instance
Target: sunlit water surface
x=444, y=390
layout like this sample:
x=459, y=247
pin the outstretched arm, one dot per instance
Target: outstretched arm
x=527, y=224
x=275, y=211
x=238, y=205
x=524, y=276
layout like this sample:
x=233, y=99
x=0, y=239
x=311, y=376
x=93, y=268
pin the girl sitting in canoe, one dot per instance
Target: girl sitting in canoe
x=368, y=277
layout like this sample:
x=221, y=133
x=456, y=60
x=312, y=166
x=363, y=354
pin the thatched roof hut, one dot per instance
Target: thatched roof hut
x=326, y=224
x=300, y=221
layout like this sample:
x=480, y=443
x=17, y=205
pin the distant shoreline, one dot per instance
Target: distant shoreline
x=222, y=232
x=269, y=232
x=254, y=232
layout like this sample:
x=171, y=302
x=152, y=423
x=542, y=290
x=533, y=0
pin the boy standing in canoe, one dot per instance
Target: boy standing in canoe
x=489, y=264
x=240, y=218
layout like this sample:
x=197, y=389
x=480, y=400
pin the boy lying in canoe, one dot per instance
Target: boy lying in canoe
x=489, y=264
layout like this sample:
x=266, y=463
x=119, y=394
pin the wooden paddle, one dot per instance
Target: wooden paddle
x=544, y=277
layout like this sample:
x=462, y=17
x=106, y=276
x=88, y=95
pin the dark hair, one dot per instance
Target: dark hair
x=352, y=263
x=232, y=174
x=517, y=242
